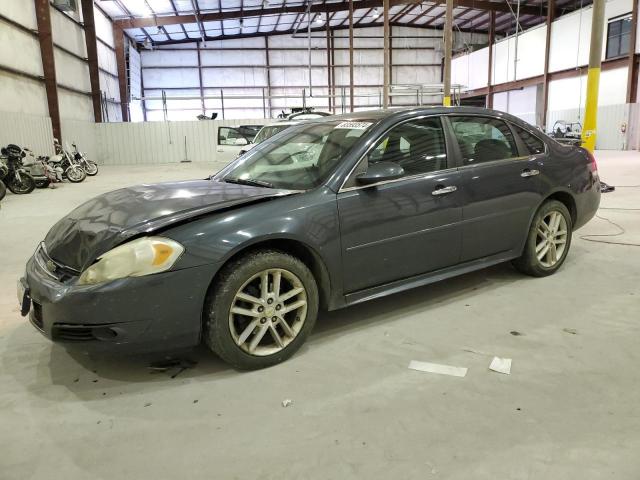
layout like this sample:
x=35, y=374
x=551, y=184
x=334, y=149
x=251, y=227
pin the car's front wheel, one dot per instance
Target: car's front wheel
x=261, y=309
x=548, y=240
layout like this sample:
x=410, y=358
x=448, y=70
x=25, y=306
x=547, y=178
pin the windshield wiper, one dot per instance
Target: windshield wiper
x=248, y=181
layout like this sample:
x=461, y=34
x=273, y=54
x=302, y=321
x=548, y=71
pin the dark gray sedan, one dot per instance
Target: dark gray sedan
x=323, y=215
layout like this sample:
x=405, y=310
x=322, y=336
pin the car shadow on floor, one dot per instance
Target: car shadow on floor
x=87, y=375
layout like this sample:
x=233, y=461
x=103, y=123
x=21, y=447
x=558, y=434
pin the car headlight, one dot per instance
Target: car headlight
x=143, y=256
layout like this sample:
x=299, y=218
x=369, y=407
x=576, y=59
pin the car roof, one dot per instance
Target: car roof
x=381, y=114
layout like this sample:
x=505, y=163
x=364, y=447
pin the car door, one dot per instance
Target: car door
x=404, y=227
x=501, y=186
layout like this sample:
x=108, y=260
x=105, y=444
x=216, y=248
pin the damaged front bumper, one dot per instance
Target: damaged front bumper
x=154, y=312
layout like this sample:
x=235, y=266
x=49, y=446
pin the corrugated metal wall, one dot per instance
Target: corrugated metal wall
x=160, y=142
x=29, y=131
x=610, y=120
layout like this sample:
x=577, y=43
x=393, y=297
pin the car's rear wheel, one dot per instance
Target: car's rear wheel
x=548, y=241
x=261, y=309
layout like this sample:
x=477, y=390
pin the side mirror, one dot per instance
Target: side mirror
x=241, y=141
x=380, y=172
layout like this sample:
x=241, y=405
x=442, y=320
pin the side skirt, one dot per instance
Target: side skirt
x=427, y=278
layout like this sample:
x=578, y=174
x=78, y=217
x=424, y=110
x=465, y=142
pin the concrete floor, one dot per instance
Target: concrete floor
x=569, y=410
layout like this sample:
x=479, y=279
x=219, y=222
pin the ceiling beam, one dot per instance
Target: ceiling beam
x=291, y=31
x=316, y=8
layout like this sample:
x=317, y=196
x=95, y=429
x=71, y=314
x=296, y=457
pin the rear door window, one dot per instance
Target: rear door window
x=534, y=145
x=483, y=139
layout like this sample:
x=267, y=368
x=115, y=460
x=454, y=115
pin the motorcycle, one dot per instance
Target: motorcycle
x=89, y=166
x=65, y=164
x=15, y=176
x=3, y=173
x=41, y=172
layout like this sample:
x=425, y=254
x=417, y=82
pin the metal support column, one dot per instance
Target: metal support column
x=351, y=93
x=202, y=102
x=92, y=58
x=632, y=75
x=387, y=62
x=266, y=59
x=593, y=77
x=43, y=16
x=329, y=99
x=551, y=9
x=492, y=40
x=121, y=61
x=448, y=40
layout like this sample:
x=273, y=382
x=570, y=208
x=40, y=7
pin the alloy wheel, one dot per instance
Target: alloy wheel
x=551, y=238
x=268, y=312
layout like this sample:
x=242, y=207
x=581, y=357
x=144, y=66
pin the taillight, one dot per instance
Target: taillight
x=592, y=161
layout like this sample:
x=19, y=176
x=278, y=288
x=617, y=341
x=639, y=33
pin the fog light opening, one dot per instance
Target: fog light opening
x=105, y=333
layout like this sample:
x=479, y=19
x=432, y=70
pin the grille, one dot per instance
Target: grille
x=36, y=318
x=51, y=267
x=72, y=333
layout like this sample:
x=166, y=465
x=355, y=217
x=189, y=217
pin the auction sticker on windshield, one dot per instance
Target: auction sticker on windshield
x=354, y=125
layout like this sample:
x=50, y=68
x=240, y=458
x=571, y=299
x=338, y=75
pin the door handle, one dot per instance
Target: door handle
x=529, y=173
x=444, y=190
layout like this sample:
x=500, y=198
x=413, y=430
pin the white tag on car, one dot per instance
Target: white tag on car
x=354, y=125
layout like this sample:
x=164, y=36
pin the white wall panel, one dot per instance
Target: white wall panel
x=570, y=93
x=21, y=11
x=22, y=95
x=521, y=103
x=531, y=46
x=74, y=106
x=169, y=58
x=29, y=131
x=67, y=34
x=571, y=33
x=72, y=72
x=12, y=41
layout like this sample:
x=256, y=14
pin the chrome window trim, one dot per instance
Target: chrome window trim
x=375, y=144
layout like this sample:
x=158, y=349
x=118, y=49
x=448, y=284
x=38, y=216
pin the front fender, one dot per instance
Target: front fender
x=309, y=219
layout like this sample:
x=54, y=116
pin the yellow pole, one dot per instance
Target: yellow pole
x=448, y=40
x=593, y=77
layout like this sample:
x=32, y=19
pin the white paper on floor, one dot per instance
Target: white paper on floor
x=501, y=365
x=437, y=368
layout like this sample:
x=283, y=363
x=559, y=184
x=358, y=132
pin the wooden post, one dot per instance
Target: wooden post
x=121, y=61
x=92, y=57
x=43, y=16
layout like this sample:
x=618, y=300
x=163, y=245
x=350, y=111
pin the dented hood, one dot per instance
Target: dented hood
x=102, y=223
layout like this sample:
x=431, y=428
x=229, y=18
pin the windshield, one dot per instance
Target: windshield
x=300, y=158
x=268, y=132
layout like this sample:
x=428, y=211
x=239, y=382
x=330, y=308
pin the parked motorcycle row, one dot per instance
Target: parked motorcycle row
x=21, y=171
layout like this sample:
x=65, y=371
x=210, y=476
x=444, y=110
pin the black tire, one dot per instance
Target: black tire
x=529, y=263
x=91, y=168
x=26, y=184
x=3, y=190
x=217, y=331
x=77, y=174
x=43, y=183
